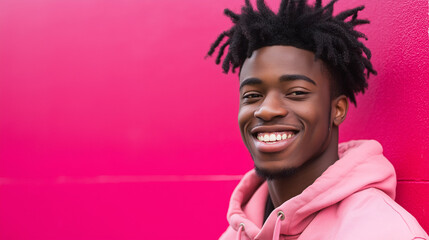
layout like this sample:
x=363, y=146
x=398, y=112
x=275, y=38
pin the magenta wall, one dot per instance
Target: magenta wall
x=113, y=126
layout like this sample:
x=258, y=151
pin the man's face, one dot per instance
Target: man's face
x=285, y=108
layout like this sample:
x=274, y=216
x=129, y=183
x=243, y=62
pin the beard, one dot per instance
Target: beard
x=276, y=174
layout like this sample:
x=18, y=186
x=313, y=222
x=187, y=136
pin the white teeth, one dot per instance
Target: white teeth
x=273, y=137
x=266, y=138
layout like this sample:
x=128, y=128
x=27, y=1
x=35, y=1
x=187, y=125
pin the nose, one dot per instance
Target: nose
x=271, y=107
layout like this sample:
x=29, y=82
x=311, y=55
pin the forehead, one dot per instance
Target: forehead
x=275, y=61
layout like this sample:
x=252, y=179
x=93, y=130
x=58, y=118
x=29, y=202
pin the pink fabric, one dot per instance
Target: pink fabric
x=353, y=199
x=90, y=90
x=278, y=226
x=240, y=230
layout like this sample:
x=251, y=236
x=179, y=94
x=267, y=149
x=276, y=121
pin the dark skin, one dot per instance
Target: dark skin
x=284, y=91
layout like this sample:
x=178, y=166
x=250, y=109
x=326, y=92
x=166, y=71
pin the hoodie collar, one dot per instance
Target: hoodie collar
x=361, y=166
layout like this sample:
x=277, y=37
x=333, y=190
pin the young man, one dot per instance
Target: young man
x=298, y=70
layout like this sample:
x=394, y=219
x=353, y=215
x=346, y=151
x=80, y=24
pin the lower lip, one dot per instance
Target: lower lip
x=274, y=146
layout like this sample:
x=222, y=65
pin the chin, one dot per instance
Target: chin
x=272, y=174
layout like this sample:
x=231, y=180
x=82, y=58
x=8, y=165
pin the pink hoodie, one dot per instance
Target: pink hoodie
x=352, y=199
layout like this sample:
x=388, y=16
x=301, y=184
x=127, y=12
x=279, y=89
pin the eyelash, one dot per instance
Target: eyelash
x=298, y=93
x=251, y=95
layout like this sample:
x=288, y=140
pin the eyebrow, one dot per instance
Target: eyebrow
x=293, y=77
x=250, y=81
x=283, y=78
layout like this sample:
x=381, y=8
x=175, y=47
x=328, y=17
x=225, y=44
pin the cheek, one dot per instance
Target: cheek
x=314, y=115
x=242, y=116
x=245, y=115
x=307, y=111
x=319, y=122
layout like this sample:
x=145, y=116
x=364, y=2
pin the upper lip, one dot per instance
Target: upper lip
x=273, y=128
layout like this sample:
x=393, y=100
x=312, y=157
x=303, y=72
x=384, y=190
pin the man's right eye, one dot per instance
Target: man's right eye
x=251, y=95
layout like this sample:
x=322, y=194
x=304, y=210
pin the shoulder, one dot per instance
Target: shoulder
x=372, y=212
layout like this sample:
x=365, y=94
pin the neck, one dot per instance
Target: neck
x=286, y=188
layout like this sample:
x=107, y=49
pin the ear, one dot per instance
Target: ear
x=340, y=106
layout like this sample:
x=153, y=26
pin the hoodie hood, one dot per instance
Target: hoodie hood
x=361, y=165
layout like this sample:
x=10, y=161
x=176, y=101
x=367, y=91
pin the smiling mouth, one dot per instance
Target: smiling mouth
x=273, y=137
x=275, y=141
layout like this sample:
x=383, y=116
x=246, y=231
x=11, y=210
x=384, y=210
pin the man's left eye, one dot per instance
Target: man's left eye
x=297, y=93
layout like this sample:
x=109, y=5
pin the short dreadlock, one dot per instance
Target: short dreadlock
x=313, y=28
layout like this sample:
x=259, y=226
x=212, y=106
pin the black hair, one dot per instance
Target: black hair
x=311, y=27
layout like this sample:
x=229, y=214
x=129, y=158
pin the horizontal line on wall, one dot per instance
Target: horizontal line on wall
x=137, y=179
x=118, y=179
x=413, y=181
